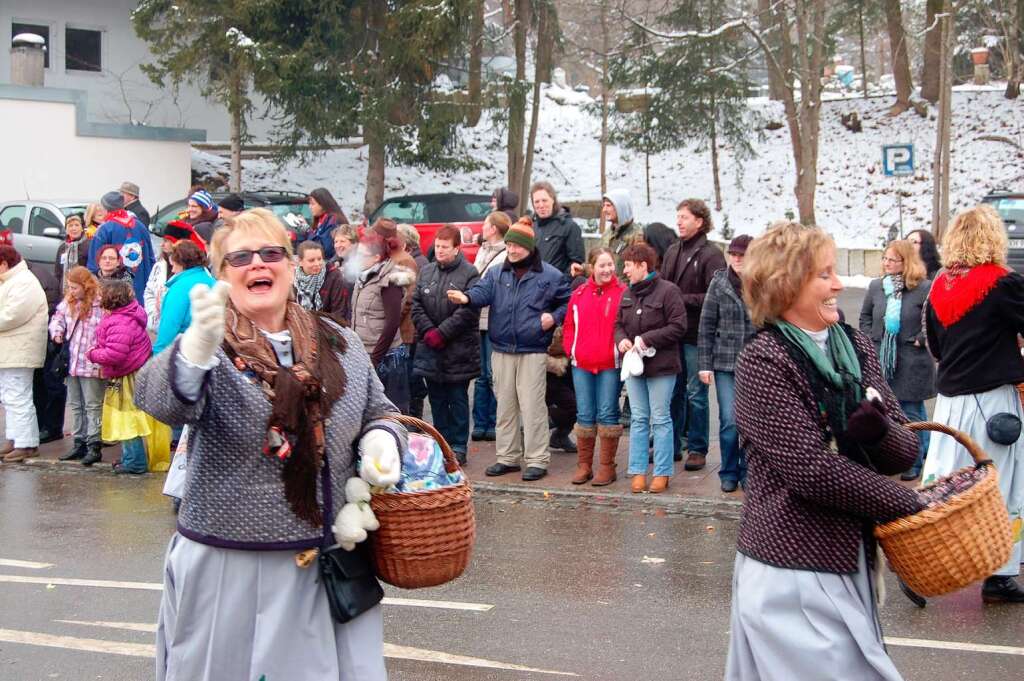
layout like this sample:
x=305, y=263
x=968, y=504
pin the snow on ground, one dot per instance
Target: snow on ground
x=855, y=201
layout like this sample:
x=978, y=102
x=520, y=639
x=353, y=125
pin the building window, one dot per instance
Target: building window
x=82, y=49
x=36, y=29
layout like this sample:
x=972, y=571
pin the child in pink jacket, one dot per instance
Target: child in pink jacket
x=122, y=347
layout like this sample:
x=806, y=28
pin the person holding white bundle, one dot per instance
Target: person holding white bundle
x=274, y=396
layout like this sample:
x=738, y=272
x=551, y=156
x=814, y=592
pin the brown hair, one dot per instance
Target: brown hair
x=9, y=254
x=255, y=220
x=500, y=221
x=778, y=264
x=598, y=251
x=116, y=293
x=976, y=236
x=697, y=209
x=449, y=233
x=544, y=185
x=84, y=278
x=347, y=231
x=913, y=267
x=641, y=252
x=188, y=255
x=307, y=246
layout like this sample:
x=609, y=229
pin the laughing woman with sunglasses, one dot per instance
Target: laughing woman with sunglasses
x=275, y=397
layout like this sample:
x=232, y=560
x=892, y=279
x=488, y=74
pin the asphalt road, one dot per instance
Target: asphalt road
x=594, y=592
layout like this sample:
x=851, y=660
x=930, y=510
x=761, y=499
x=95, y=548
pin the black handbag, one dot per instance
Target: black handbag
x=1003, y=428
x=60, y=364
x=348, y=577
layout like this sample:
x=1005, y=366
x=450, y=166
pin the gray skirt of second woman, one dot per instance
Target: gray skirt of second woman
x=255, y=615
x=797, y=624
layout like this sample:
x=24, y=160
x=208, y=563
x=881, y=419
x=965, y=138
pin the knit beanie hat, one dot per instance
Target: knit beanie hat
x=112, y=201
x=233, y=202
x=203, y=198
x=522, y=233
x=738, y=246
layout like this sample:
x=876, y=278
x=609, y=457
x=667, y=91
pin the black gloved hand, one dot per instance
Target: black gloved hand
x=868, y=424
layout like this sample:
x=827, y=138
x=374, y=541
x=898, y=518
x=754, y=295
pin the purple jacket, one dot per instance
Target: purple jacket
x=122, y=344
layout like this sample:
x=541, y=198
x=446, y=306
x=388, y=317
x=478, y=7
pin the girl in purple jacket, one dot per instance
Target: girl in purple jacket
x=122, y=347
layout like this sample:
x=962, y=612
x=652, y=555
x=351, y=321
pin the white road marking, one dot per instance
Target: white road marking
x=156, y=586
x=127, y=626
x=94, y=645
x=7, y=562
x=953, y=645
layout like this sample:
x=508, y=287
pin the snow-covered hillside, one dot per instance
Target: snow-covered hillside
x=855, y=201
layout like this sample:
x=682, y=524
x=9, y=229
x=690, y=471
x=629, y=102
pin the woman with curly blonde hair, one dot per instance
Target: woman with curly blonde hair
x=821, y=431
x=975, y=313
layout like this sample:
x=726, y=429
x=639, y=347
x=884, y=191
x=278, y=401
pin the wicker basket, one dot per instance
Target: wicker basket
x=425, y=538
x=941, y=550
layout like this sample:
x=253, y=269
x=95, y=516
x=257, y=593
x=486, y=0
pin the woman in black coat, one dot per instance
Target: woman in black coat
x=892, y=316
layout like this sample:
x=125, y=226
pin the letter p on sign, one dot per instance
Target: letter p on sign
x=898, y=159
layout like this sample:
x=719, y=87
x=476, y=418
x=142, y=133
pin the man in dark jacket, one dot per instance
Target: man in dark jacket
x=507, y=201
x=690, y=264
x=48, y=392
x=559, y=240
x=447, y=348
x=528, y=299
x=130, y=194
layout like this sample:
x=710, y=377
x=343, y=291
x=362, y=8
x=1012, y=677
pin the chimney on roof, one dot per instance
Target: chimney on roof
x=27, y=59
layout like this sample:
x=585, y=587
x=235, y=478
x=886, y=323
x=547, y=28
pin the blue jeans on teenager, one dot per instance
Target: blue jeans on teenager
x=485, y=407
x=449, y=406
x=734, y=462
x=690, y=406
x=650, y=399
x=915, y=411
x=393, y=372
x=133, y=456
x=597, y=397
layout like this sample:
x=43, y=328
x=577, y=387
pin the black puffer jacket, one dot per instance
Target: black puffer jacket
x=459, y=360
x=508, y=202
x=559, y=240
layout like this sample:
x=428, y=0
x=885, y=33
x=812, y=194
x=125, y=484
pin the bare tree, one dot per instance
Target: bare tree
x=941, y=159
x=932, y=64
x=900, y=60
x=547, y=28
x=476, y=47
x=767, y=23
x=517, y=97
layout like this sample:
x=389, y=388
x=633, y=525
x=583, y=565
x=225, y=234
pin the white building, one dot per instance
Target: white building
x=92, y=47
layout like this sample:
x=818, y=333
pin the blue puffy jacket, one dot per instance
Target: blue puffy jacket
x=176, y=308
x=517, y=304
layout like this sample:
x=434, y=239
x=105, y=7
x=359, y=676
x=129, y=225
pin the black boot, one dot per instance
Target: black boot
x=95, y=454
x=560, y=439
x=1002, y=590
x=76, y=452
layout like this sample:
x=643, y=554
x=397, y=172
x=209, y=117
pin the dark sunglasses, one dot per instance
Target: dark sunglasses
x=267, y=254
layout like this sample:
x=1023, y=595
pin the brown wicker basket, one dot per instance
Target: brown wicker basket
x=425, y=538
x=941, y=550
x=1020, y=391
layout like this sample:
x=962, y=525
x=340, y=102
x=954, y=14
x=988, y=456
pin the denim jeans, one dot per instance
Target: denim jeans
x=449, y=406
x=597, y=397
x=133, y=455
x=915, y=411
x=85, y=401
x=417, y=386
x=485, y=407
x=734, y=462
x=690, y=406
x=650, y=399
x=393, y=372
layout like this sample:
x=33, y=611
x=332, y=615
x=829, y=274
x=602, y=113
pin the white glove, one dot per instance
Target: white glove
x=381, y=464
x=356, y=517
x=202, y=338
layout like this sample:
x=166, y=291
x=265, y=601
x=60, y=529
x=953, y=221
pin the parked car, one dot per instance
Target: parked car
x=38, y=225
x=291, y=207
x=1010, y=206
x=429, y=212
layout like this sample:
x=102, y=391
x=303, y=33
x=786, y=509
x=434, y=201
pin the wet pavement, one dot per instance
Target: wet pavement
x=595, y=591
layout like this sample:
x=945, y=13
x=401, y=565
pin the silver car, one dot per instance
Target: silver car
x=38, y=225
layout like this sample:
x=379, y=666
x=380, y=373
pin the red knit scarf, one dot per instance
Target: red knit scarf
x=122, y=218
x=959, y=289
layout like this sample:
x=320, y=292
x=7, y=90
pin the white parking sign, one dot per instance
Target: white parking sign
x=898, y=159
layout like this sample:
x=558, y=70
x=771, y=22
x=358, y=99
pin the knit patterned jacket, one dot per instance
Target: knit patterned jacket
x=234, y=495
x=806, y=506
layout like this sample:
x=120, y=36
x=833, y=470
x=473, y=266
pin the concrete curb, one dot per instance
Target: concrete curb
x=684, y=505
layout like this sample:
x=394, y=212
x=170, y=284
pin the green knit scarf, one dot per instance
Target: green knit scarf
x=840, y=368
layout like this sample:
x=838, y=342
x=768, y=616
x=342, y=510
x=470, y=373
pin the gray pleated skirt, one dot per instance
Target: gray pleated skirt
x=968, y=413
x=229, y=615
x=790, y=625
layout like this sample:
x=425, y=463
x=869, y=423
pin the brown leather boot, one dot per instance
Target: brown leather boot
x=638, y=484
x=20, y=454
x=608, y=437
x=586, y=438
x=659, y=484
x=6, y=447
